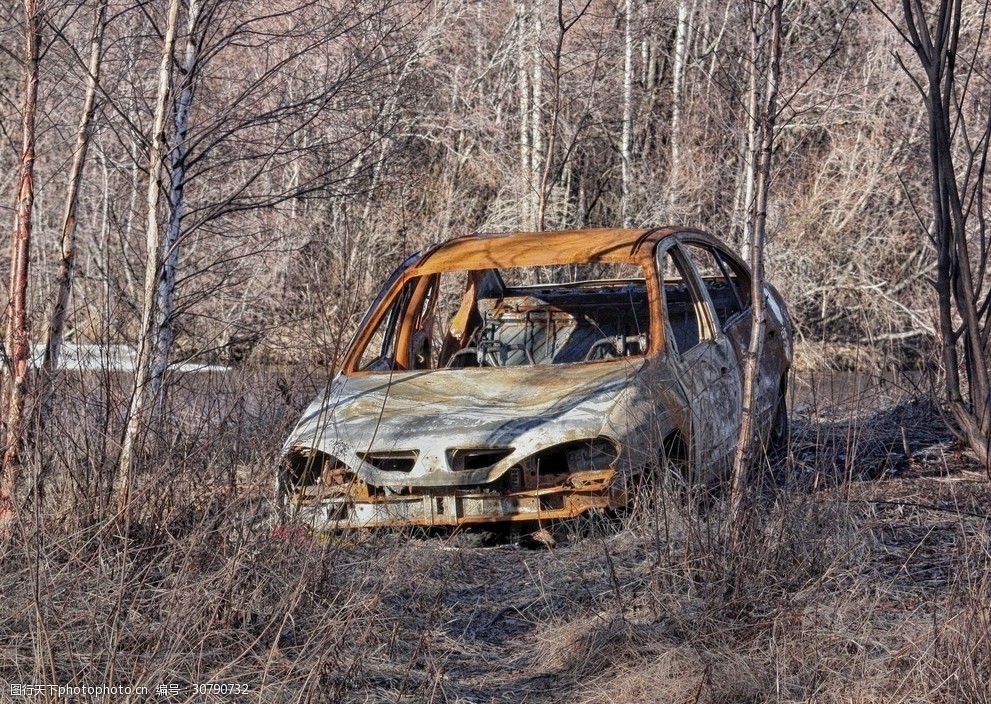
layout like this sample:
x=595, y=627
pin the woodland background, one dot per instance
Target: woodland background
x=327, y=140
x=253, y=175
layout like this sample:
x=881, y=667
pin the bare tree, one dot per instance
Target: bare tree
x=626, y=146
x=764, y=77
x=677, y=101
x=153, y=247
x=529, y=78
x=259, y=141
x=67, y=261
x=548, y=165
x=178, y=155
x=954, y=89
x=18, y=350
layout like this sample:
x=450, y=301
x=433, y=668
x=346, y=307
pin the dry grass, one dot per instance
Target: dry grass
x=864, y=577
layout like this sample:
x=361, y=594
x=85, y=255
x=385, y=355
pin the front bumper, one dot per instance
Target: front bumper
x=455, y=506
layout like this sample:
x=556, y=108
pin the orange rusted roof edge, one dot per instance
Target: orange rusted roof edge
x=517, y=249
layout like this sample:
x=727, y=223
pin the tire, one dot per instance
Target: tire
x=666, y=479
x=777, y=439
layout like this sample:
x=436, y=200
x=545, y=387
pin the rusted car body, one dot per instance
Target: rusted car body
x=535, y=376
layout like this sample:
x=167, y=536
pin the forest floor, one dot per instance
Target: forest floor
x=864, y=576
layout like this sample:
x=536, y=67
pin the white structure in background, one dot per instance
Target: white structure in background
x=120, y=358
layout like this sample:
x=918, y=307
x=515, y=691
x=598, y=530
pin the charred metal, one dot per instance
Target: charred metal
x=534, y=376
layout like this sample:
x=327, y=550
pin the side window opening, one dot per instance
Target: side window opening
x=379, y=353
x=442, y=311
x=728, y=286
x=455, y=318
x=684, y=309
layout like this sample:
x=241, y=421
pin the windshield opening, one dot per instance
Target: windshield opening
x=564, y=314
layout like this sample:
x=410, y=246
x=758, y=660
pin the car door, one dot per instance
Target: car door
x=703, y=360
x=727, y=284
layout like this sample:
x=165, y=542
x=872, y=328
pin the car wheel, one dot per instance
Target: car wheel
x=669, y=477
x=777, y=439
x=675, y=467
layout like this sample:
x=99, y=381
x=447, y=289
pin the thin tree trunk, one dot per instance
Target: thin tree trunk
x=18, y=349
x=934, y=35
x=757, y=215
x=750, y=159
x=538, y=158
x=677, y=99
x=153, y=247
x=165, y=294
x=626, y=145
x=544, y=162
x=743, y=194
x=543, y=159
x=525, y=213
x=67, y=263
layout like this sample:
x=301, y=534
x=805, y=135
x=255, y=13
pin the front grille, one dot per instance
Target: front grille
x=462, y=460
x=397, y=461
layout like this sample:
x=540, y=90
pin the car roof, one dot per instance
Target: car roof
x=520, y=249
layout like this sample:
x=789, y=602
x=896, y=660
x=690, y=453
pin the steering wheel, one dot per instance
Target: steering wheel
x=464, y=352
x=607, y=347
x=488, y=353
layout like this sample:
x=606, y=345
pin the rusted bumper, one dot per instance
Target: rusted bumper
x=451, y=506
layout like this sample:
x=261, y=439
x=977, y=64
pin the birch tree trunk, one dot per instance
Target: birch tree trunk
x=766, y=68
x=626, y=145
x=67, y=263
x=748, y=174
x=18, y=350
x=527, y=185
x=677, y=100
x=153, y=247
x=537, y=156
x=165, y=292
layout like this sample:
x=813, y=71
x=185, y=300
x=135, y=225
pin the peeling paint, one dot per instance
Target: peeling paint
x=482, y=402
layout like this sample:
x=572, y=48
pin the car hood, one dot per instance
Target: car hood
x=429, y=413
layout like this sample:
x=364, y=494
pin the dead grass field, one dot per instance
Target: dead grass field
x=865, y=577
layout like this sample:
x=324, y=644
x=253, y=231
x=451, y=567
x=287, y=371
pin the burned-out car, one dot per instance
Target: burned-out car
x=533, y=376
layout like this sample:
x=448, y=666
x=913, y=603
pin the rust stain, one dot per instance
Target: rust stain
x=494, y=402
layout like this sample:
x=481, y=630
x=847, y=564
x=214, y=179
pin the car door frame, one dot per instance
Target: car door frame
x=708, y=373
